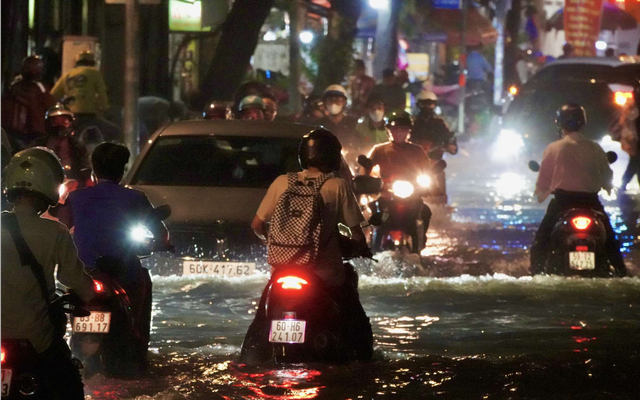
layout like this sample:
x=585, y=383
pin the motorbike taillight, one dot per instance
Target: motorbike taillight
x=2, y=355
x=581, y=223
x=292, y=282
x=98, y=286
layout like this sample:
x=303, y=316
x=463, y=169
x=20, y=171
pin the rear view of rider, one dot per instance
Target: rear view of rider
x=60, y=138
x=574, y=170
x=103, y=216
x=31, y=182
x=320, y=157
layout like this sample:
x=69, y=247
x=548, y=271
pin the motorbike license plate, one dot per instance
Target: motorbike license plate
x=287, y=331
x=6, y=382
x=582, y=260
x=97, y=322
x=218, y=268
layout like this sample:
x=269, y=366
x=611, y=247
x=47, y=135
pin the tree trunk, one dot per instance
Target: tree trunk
x=232, y=56
x=386, y=50
x=511, y=47
x=337, y=47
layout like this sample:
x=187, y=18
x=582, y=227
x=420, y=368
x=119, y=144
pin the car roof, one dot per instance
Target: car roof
x=237, y=128
x=604, y=61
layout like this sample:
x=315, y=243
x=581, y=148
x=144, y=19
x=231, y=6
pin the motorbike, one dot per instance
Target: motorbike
x=299, y=320
x=578, y=241
x=396, y=212
x=112, y=339
x=21, y=375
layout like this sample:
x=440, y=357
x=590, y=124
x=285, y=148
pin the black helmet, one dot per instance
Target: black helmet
x=321, y=149
x=571, y=117
x=217, y=110
x=32, y=67
x=401, y=118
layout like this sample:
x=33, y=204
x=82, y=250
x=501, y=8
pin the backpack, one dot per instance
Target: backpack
x=297, y=223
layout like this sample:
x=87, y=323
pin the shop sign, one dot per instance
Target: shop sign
x=186, y=15
x=271, y=57
x=582, y=25
x=448, y=4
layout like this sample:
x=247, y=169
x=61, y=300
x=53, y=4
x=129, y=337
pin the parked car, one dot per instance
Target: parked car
x=214, y=175
x=600, y=85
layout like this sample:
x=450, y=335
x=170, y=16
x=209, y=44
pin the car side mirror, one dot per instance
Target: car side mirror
x=162, y=212
x=364, y=184
x=534, y=166
x=612, y=157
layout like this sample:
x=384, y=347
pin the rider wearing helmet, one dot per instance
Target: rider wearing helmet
x=320, y=154
x=372, y=127
x=251, y=108
x=85, y=86
x=25, y=104
x=313, y=110
x=430, y=130
x=217, y=110
x=336, y=119
x=574, y=170
x=60, y=138
x=31, y=182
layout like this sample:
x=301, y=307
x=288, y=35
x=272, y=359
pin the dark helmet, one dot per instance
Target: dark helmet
x=571, y=117
x=321, y=149
x=32, y=67
x=401, y=118
x=217, y=110
x=53, y=126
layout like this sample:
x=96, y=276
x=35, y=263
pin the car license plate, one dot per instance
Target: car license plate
x=287, y=331
x=6, y=382
x=218, y=268
x=97, y=322
x=582, y=260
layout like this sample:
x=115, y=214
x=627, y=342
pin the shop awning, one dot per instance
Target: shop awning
x=613, y=19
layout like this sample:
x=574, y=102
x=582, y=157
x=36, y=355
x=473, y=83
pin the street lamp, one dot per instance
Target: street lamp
x=306, y=37
x=379, y=4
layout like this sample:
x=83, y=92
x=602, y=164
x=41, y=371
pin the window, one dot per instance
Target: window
x=253, y=162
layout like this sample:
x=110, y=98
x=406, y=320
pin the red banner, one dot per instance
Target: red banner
x=582, y=25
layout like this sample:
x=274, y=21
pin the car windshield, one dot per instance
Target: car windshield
x=234, y=161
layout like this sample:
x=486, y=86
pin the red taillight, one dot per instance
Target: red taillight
x=581, y=223
x=582, y=248
x=292, y=282
x=621, y=98
x=98, y=286
x=2, y=355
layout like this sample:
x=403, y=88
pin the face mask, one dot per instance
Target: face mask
x=59, y=131
x=334, y=109
x=376, y=116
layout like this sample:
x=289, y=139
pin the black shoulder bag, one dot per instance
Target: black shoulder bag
x=55, y=310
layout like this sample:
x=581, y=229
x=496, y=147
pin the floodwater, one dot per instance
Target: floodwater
x=464, y=321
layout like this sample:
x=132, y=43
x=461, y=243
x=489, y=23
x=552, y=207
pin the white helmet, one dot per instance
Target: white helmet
x=335, y=90
x=38, y=170
x=427, y=95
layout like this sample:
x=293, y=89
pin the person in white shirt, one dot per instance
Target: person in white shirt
x=573, y=169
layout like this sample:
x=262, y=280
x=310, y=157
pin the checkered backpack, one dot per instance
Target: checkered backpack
x=297, y=223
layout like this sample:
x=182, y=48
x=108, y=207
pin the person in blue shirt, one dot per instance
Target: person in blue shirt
x=103, y=217
x=477, y=68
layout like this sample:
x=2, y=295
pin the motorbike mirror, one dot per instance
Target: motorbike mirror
x=612, y=157
x=365, y=162
x=534, y=166
x=439, y=166
x=364, y=184
x=80, y=312
x=163, y=212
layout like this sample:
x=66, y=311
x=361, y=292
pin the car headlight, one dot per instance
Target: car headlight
x=424, y=181
x=141, y=234
x=508, y=145
x=402, y=189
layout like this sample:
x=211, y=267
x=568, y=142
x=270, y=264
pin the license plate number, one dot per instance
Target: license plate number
x=6, y=382
x=582, y=260
x=287, y=331
x=97, y=322
x=218, y=268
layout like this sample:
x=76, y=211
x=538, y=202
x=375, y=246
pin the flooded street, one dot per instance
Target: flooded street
x=464, y=321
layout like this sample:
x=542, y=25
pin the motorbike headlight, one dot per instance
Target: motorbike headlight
x=402, y=189
x=424, y=181
x=508, y=145
x=141, y=234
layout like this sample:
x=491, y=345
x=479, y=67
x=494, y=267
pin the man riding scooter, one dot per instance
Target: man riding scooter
x=32, y=249
x=102, y=217
x=574, y=170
